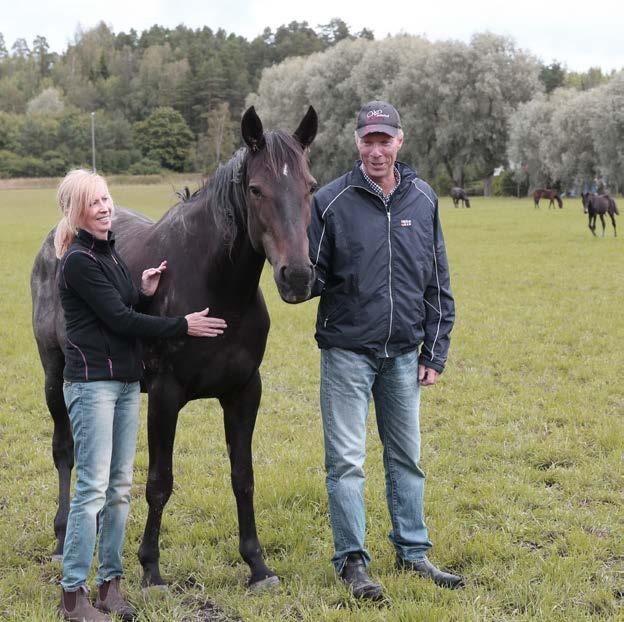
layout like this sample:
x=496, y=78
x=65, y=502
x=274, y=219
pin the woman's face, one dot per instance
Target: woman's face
x=96, y=218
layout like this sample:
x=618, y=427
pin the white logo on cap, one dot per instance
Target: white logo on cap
x=376, y=113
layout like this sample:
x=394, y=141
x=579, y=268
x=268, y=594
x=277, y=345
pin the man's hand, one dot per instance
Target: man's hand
x=151, y=277
x=427, y=376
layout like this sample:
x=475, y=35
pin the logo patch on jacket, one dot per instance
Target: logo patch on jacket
x=406, y=223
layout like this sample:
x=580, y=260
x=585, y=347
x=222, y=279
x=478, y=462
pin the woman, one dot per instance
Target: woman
x=101, y=388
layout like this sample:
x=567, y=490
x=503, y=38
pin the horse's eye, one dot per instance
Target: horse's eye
x=255, y=191
x=313, y=188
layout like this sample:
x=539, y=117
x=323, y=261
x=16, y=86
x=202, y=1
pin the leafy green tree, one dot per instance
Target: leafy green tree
x=12, y=97
x=337, y=30
x=10, y=127
x=218, y=142
x=20, y=48
x=164, y=137
x=552, y=76
x=3, y=49
x=38, y=134
x=40, y=51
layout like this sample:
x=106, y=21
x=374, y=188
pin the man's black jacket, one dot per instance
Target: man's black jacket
x=382, y=273
x=98, y=299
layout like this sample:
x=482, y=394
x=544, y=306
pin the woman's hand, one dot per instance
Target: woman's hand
x=200, y=325
x=151, y=277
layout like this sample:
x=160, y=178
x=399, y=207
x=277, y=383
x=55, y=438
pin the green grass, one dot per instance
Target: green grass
x=523, y=443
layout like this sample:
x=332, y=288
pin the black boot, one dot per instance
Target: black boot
x=425, y=569
x=354, y=576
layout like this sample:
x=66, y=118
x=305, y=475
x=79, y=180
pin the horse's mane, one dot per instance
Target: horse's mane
x=223, y=195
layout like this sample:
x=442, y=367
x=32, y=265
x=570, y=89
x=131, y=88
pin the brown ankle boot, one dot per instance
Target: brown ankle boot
x=110, y=600
x=76, y=607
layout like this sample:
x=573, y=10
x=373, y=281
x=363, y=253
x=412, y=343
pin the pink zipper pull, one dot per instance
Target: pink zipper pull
x=110, y=367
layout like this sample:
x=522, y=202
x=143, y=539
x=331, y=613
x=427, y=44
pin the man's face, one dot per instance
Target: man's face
x=379, y=153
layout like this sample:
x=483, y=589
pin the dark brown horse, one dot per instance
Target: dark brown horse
x=599, y=205
x=459, y=194
x=256, y=207
x=551, y=195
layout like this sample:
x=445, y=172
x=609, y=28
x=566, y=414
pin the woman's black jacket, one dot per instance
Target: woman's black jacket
x=102, y=326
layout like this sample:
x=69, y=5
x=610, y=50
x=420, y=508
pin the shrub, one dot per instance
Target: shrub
x=144, y=167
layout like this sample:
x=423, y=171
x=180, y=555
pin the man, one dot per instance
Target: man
x=382, y=274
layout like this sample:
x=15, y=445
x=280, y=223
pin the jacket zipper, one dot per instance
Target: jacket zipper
x=389, y=279
x=389, y=267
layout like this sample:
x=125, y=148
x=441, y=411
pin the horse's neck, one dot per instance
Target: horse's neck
x=188, y=231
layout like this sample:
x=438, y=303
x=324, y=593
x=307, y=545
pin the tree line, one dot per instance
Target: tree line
x=187, y=85
x=173, y=98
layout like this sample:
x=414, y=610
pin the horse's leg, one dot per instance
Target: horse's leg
x=592, y=223
x=239, y=414
x=165, y=401
x=62, y=442
x=602, y=220
x=613, y=222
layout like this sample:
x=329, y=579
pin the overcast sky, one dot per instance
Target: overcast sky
x=551, y=29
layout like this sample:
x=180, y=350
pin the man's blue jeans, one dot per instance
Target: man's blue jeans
x=347, y=381
x=104, y=418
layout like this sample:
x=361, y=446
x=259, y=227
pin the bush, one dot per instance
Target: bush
x=505, y=185
x=144, y=167
x=442, y=183
x=56, y=163
x=474, y=188
x=13, y=165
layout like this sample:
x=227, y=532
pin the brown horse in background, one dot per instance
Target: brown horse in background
x=459, y=194
x=599, y=205
x=551, y=195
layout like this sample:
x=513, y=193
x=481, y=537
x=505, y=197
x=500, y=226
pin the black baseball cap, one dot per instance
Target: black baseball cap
x=378, y=116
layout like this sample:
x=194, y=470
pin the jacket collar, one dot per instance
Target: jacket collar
x=407, y=174
x=93, y=243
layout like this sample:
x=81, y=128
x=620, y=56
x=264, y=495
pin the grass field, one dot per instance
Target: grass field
x=523, y=443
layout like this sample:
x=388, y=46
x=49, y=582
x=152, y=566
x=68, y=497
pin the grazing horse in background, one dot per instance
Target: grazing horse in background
x=256, y=207
x=599, y=205
x=459, y=194
x=551, y=195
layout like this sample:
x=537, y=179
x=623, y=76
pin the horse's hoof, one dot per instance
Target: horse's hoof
x=264, y=584
x=57, y=557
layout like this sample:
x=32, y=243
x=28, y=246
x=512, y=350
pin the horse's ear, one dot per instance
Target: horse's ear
x=251, y=129
x=306, y=132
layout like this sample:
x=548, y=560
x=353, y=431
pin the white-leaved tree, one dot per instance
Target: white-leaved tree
x=607, y=125
x=48, y=102
x=455, y=99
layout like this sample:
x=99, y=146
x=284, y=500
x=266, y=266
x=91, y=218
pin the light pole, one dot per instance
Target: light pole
x=93, y=139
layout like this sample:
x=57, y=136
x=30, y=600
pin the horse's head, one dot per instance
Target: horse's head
x=279, y=190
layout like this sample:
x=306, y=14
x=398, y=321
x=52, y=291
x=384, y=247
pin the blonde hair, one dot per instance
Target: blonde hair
x=75, y=193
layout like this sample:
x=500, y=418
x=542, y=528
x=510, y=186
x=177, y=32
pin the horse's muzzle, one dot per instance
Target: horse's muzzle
x=294, y=283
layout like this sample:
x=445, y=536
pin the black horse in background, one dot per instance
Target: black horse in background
x=459, y=194
x=256, y=207
x=551, y=195
x=599, y=205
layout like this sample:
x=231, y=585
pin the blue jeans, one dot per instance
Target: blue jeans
x=104, y=418
x=347, y=381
